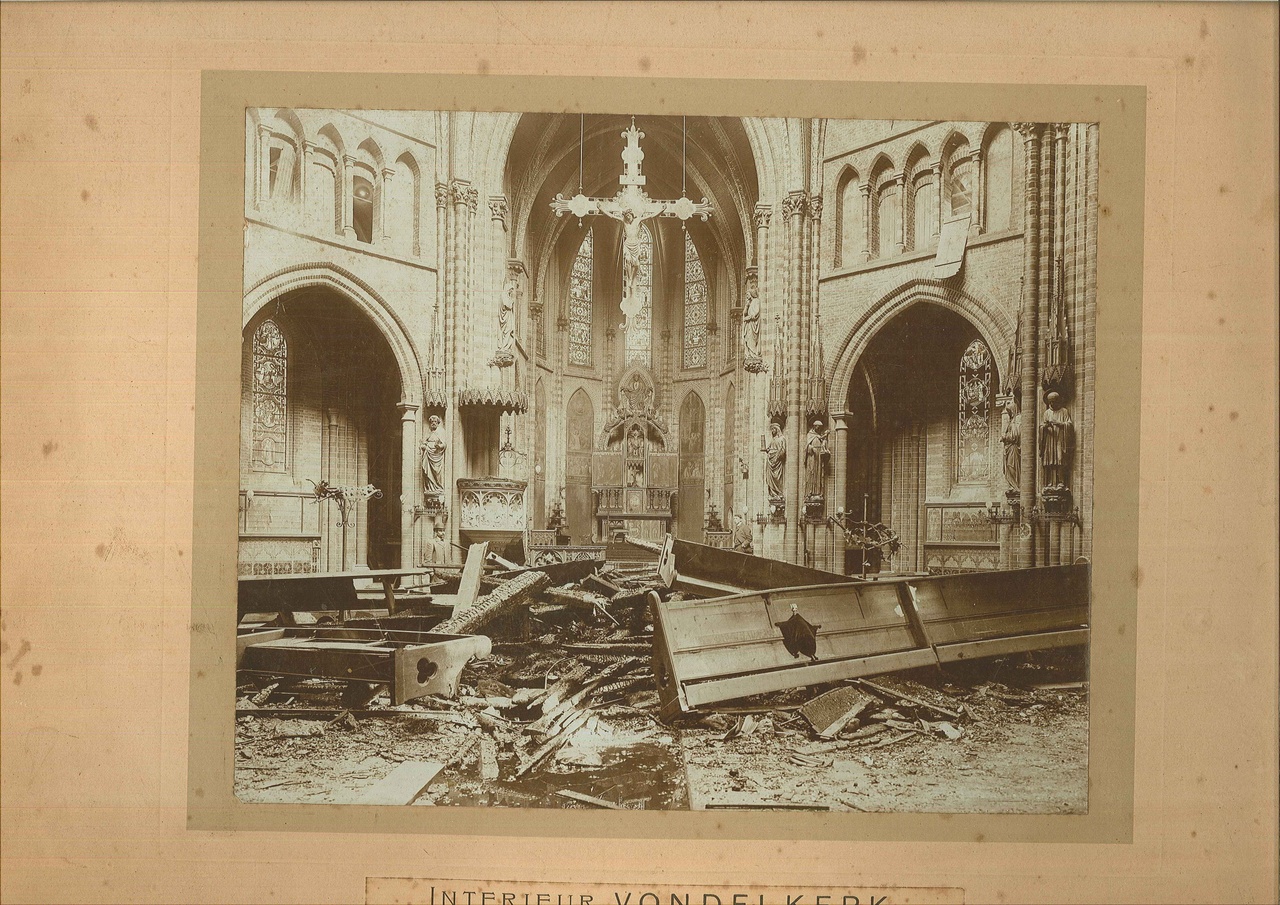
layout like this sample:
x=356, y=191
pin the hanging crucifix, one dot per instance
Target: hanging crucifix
x=632, y=206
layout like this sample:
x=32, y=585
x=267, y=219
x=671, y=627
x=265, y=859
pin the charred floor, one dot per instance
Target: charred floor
x=556, y=688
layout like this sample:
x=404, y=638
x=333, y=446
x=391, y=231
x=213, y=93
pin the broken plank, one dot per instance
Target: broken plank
x=328, y=713
x=555, y=741
x=469, y=584
x=906, y=698
x=589, y=799
x=403, y=784
x=489, y=769
x=830, y=712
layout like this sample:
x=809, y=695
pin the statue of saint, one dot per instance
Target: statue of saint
x=741, y=537
x=507, y=318
x=751, y=322
x=1056, y=440
x=1011, y=437
x=433, y=455
x=816, y=454
x=776, y=456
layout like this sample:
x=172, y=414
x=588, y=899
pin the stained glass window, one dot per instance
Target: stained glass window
x=640, y=326
x=974, y=453
x=695, y=307
x=580, y=304
x=270, y=404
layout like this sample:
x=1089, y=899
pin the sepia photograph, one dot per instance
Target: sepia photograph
x=662, y=462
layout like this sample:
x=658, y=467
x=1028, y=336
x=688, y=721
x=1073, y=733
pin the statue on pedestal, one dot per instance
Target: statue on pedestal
x=1011, y=437
x=816, y=454
x=433, y=449
x=751, y=359
x=1057, y=436
x=776, y=458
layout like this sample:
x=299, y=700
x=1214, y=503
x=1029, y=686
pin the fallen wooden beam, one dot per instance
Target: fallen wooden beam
x=700, y=569
x=504, y=599
x=906, y=698
x=589, y=799
x=322, y=713
x=404, y=784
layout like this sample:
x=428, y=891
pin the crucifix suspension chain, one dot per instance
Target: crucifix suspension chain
x=632, y=206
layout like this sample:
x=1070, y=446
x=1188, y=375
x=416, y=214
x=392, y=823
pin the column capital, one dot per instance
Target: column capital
x=408, y=410
x=795, y=204
x=464, y=193
x=865, y=188
x=388, y=173
x=815, y=207
x=442, y=194
x=1060, y=131
x=1029, y=131
x=350, y=159
x=498, y=209
x=763, y=213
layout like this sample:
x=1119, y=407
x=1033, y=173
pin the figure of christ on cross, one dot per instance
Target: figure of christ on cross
x=632, y=207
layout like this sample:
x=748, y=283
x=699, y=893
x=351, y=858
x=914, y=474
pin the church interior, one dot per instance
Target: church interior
x=702, y=422
x=827, y=342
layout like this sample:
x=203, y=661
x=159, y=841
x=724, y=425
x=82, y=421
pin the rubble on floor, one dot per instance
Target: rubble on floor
x=564, y=713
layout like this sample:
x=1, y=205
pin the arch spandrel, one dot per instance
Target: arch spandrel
x=359, y=293
x=994, y=325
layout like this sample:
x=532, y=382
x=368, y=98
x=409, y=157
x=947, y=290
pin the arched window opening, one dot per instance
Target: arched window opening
x=974, y=454
x=270, y=399
x=924, y=210
x=850, y=242
x=362, y=208
x=958, y=189
x=580, y=279
x=695, y=307
x=282, y=179
x=639, y=342
x=998, y=210
x=887, y=213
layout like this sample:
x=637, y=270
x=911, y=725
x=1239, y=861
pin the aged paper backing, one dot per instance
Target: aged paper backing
x=122, y=322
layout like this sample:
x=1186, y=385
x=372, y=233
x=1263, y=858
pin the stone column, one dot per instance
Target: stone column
x=794, y=210
x=865, y=188
x=262, y=167
x=383, y=226
x=607, y=400
x=359, y=532
x=346, y=192
x=979, y=193
x=409, y=493
x=1028, y=403
x=756, y=385
x=304, y=171
x=900, y=180
x=838, y=494
x=937, y=198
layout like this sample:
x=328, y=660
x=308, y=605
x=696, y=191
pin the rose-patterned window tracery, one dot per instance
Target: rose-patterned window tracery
x=270, y=398
x=974, y=453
